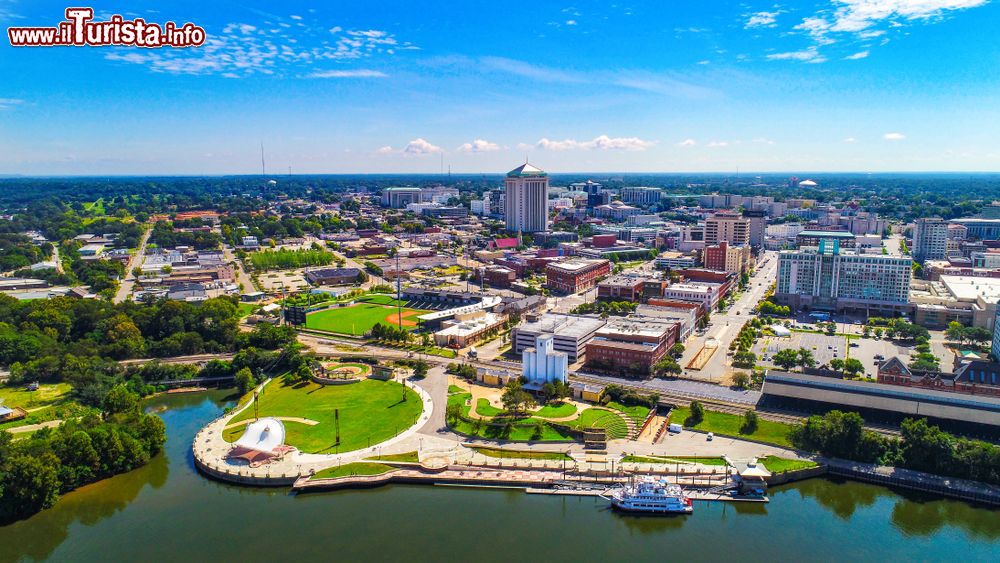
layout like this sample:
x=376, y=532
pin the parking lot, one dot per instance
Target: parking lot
x=826, y=348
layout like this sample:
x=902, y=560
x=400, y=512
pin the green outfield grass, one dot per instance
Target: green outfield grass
x=360, y=318
x=371, y=411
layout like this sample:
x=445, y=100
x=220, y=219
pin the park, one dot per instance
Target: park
x=331, y=419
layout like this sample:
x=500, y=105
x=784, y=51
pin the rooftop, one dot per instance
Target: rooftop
x=563, y=325
x=576, y=264
x=527, y=171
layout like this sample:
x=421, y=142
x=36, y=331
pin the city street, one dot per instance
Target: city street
x=724, y=326
x=128, y=282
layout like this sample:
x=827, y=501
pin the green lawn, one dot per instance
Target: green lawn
x=520, y=431
x=729, y=425
x=356, y=468
x=638, y=412
x=715, y=461
x=484, y=408
x=513, y=454
x=356, y=319
x=776, y=464
x=49, y=402
x=247, y=308
x=610, y=420
x=455, y=389
x=371, y=411
x=556, y=410
x=411, y=457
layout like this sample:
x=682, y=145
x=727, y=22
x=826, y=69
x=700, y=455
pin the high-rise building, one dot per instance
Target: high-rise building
x=829, y=278
x=758, y=226
x=526, y=203
x=930, y=239
x=641, y=195
x=727, y=227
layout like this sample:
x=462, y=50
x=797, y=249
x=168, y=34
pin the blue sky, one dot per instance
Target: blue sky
x=344, y=87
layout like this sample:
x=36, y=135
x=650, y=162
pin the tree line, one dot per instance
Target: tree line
x=921, y=446
x=34, y=471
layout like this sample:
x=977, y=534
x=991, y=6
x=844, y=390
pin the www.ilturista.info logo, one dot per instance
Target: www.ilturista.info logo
x=79, y=29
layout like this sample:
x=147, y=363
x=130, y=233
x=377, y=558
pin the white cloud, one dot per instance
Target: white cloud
x=718, y=144
x=687, y=143
x=762, y=19
x=894, y=136
x=850, y=140
x=385, y=150
x=420, y=147
x=763, y=141
x=7, y=103
x=602, y=142
x=355, y=73
x=570, y=22
x=479, y=145
x=856, y=56
x=810, y=55
x=296, y=17
x=243, y=50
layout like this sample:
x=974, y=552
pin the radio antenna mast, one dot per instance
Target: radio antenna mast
x=263, y=170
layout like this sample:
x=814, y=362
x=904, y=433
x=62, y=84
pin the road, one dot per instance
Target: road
x=242, y=278
x=725, y=326
x=128, y=284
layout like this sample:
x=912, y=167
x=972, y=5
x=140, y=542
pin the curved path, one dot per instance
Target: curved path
x=210, y=449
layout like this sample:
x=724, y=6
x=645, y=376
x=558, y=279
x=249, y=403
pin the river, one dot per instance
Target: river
x=166, y=511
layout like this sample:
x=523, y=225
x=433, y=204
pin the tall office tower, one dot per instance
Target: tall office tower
x=526, y=202
x=758, y=226
x=930, y=239
x=727, y=226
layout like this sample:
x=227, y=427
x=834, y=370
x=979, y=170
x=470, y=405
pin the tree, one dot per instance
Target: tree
x=749, y=422
x=666, y=367
x=120, y=400
x=245, y=381
x=30, y=484
x=787, y=358
x=955, y=332
x=806, y=358
x=837, y=364
x=515, y=399
x=741, y=380
x=853, y=367
x=677, y=350
x=697, y=414
x=420, y=369
x=453, y=412
x=744, y=359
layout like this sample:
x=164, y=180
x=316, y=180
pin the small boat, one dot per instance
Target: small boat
x=650, y=495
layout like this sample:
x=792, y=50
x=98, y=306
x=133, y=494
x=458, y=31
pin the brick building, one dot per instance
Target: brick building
x=724, y=257
x=977, y=377
x=630, y=345
x=622, y=287
x=575, y=275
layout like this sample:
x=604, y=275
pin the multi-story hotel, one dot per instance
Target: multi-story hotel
x=526, y=201
x=826, y=278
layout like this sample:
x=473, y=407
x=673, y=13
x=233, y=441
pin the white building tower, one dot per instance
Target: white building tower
x=526, y=202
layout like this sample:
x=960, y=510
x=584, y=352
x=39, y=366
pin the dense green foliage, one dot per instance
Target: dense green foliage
x=36, y=470
x=921, y=446
x=605, y=308
x=287, y=259
x=167, y=236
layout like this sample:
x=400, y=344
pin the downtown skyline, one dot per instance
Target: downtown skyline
x=842, y=85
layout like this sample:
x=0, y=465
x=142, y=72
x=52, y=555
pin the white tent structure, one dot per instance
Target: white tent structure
x=264, y=435
x=263, y=440
x=781, y=331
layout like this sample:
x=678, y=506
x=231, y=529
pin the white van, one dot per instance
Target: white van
x=675, y=429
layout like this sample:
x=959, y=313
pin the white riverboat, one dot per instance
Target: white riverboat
x=652, y=496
